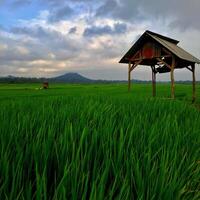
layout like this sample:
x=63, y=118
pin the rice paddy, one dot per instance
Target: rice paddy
x=99, y=142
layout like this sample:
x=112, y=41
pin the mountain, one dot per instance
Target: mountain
x=66, y=78
x=71, y=78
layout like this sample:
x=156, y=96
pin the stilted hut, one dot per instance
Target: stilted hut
x=162, y=54
x=45, y=85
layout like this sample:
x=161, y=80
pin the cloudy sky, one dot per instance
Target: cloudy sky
x=50, y=37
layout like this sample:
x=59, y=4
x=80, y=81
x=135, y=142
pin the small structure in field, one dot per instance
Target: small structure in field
x=162, y=54
x=45, y=85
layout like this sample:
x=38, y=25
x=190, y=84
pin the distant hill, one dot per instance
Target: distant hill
x=66, y=78
x=71, y=78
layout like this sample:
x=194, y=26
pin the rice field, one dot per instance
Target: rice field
x=99, y=142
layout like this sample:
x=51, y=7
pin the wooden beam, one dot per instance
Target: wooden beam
x=165, y=56
x=135, y=65
x=138, y=59
x=134, y=60
x=137, y=56
x=129, y=76
x=166, y=51
x=189, y=69
x=130, y=68
x=164, y=63
x=172, y=77
x=193, y=84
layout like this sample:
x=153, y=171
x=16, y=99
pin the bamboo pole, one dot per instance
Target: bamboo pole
x=129, y=76
x=172, y=78
x=193, y=84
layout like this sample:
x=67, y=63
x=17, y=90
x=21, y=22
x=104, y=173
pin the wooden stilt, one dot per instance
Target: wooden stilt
x=172, y=77
x=153, y=81
x=193, y=84
x=129, y=76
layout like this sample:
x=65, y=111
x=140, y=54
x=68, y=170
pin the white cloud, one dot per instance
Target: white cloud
x=38, y=47
x=3, y=47
x=47, y=70
x=51, y=55
x=22, y=50
x=22, y=70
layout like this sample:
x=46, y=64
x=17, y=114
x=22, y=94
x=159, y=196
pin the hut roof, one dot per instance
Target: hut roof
x=168, y=43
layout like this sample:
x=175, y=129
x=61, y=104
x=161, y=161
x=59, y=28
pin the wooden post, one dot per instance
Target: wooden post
x=172, y=77
x=129, y=76
x=153, y=81
x=193, y=83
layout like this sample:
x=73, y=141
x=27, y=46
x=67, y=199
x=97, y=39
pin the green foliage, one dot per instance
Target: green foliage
x=98, y=142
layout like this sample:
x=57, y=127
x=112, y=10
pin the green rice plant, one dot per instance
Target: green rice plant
x=99, y=146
